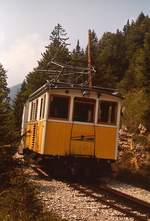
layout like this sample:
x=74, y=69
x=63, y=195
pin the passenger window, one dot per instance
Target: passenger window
x=36, y=109
x=41, y=108
x=44, y=106
x=33, y=113
x=107, y=112
x=84, y=109
x=59, y=107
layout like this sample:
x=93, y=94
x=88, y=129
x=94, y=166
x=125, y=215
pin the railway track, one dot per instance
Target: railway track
x=128, y=205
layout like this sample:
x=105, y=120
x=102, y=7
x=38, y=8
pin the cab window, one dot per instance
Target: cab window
x=59, y=107
x=107, y=112
x=83, y=109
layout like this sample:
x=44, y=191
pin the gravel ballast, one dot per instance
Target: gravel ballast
x=69, y=203
x=131, y=190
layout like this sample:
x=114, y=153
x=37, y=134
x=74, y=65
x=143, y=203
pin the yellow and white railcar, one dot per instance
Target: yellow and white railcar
x=67, y=120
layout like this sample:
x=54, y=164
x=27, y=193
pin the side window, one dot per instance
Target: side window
x=33, y=113
x=59, y=107
x=83, y=109
x=41, y=108
x=107, y=112
x=36, y=110
x=44, y=106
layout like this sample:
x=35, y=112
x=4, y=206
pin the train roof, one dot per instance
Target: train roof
x=61, y=85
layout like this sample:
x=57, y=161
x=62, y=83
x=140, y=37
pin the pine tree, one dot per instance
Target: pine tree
x=78, y=56
x=4, y=108
x=135, y=77
x=135, y=86
x=56, y=51
x=111, y=60
x=147, y=61
x=136, y=106
x=18, y=106
x=121, y=60
x=126, y=27
x=140, y=18
x=137, y=50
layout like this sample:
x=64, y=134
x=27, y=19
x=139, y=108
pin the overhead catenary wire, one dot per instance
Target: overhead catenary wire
x=69, y=72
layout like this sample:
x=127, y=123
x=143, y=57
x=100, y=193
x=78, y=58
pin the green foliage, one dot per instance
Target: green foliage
x=18, y=106
x=121, y=60
x=78, y=56
x=58, y=36
x=137, y=50
x=135, y=76
x=136, y=106
x=57, y=49
x=5, y=111
x=111, y=59
x=141, y=139
x=18, y=196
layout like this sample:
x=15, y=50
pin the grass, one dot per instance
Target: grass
x=18, y=201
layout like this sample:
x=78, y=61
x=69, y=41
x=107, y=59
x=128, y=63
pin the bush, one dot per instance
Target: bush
x=18, y=201
x=136, y=108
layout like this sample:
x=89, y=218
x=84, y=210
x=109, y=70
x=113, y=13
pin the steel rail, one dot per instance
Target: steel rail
x=110, y=197
x=144, y=204
x=110, y=200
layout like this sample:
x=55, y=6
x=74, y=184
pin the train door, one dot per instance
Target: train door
x=106, y=130
x=40, y=124
x=83, y=127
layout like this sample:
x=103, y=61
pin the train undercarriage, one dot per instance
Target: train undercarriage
x=75, y=167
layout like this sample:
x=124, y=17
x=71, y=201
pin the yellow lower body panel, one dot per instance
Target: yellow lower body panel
x=83, y=148
x=63, y=138
x=28, y=141
x=69, y=139
x=57, y=140
x=34, y=136
x=105, y=146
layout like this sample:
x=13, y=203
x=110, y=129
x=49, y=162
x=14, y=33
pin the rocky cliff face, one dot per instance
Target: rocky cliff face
x=133, y=164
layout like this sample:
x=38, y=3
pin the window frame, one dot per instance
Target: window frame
x=41, y=108
x=69, y=104
x=44, y=106
x=94, y=110
x=34, y=110
x=116, y=112
x=31, y=111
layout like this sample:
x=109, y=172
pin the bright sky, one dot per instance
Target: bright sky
x=27, y=24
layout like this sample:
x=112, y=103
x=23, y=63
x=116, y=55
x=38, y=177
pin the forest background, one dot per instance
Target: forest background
x=121, y=61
